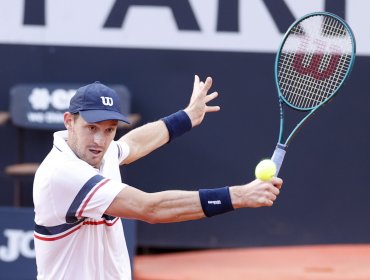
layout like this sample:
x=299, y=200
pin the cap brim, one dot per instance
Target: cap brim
x=94, y=116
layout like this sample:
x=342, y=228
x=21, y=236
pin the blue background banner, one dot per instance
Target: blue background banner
x=17, y=252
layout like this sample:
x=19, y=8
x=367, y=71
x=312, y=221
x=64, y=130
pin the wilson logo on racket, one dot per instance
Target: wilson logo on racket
x=313, y=68
x=320, y=64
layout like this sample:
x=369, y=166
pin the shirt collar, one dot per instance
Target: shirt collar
x=60, y=142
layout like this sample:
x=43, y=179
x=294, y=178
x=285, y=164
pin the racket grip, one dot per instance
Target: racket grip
x=278, y=156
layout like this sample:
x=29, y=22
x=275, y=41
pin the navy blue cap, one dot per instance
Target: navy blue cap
x=96, y=103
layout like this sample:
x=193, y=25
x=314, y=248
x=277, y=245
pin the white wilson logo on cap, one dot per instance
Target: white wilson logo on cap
x=107, y=101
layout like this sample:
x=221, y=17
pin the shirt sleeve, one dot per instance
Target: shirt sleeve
x=84, y=192
x=123, y=150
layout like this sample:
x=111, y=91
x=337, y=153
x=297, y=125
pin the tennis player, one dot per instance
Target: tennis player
x=79, y=196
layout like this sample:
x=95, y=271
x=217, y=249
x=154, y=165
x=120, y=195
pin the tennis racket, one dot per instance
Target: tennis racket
x=314, y=59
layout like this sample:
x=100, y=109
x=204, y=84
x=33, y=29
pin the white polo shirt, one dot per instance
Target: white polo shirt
x=74, y=239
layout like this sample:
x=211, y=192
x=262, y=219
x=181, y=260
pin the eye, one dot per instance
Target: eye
x=111, y=130
x=91, y=128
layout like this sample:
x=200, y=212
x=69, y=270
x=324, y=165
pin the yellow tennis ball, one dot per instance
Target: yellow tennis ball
x=265, y=170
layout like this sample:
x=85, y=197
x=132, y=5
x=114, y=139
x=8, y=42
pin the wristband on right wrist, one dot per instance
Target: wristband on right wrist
x=215, y=201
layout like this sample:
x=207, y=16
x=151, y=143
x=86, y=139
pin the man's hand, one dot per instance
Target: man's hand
x=198, y=107
x=256, y=194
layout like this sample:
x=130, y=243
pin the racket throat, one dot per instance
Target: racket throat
x=278, y=156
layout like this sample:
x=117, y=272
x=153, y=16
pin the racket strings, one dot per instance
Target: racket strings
x=314, y=61
x=300, y=92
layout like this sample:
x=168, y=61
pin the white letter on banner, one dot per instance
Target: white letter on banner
x=19, y=243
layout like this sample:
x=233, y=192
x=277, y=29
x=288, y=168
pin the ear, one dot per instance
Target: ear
x=68, y=120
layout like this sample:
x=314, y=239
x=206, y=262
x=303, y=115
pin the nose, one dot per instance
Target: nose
x=99, y=139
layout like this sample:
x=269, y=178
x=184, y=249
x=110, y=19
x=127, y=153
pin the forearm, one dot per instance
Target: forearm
x=159, y=207
x=151, y=136
x=174, y=206
x=145, y=139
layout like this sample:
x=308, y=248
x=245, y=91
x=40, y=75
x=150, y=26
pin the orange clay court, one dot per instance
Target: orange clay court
x=317, y=262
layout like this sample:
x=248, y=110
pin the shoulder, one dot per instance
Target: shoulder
x=119, y=150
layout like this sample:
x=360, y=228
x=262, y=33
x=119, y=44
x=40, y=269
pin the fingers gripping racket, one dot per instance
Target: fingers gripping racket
x=315, y=58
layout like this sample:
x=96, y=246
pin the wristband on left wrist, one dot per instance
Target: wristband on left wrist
x=177, y=124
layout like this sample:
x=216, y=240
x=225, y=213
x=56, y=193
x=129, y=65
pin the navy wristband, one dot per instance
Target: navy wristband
x=215, y=201
x=177, y=124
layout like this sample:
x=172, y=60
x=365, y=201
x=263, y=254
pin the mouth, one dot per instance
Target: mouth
x=95, y=151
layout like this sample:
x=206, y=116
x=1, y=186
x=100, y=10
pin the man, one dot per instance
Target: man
x=79, y=197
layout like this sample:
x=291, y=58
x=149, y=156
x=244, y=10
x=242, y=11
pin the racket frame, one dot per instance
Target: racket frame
x=280, y=149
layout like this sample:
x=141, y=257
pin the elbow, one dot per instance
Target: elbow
x=148, y=212
x=156, y=218
x=151, y=210
x=151, y=216
x=152, y=220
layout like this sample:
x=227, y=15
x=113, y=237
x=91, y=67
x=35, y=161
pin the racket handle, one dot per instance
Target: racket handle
x=278, y=156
